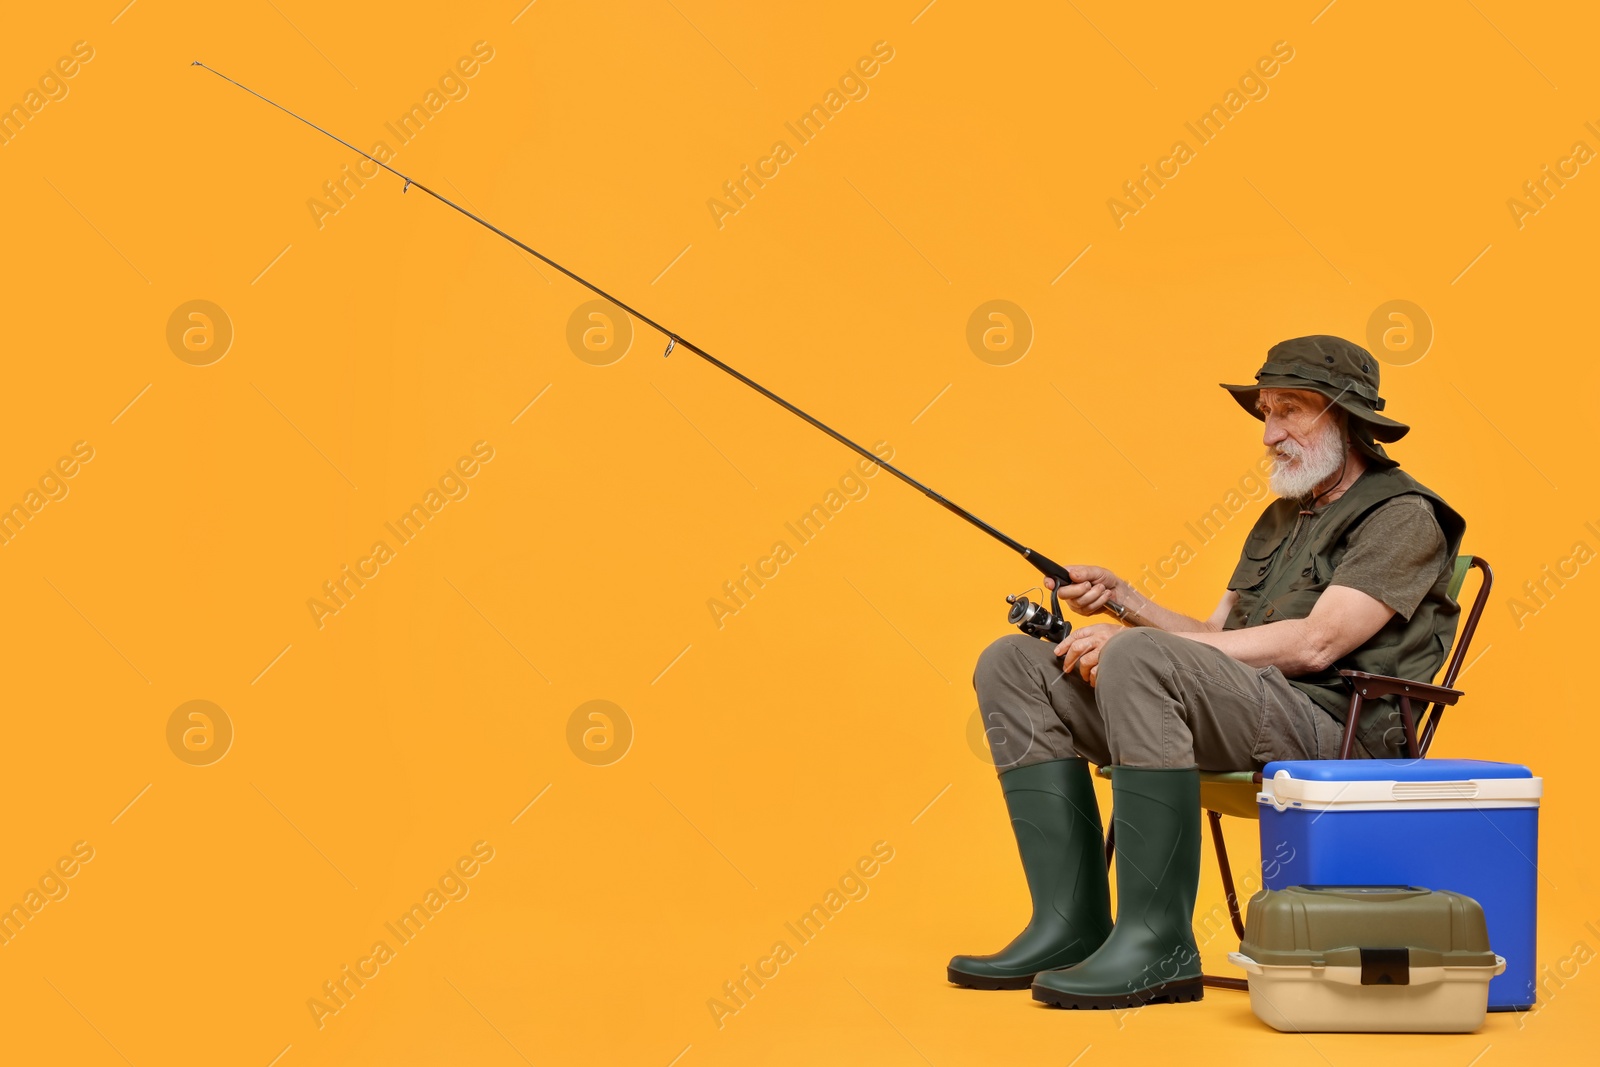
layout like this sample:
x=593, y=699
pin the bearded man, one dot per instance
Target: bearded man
x=1349, y=568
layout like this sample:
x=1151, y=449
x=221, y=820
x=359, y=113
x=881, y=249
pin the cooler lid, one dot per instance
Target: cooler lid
x=1394, y=770
x=1378, y=784
x=1383, y=929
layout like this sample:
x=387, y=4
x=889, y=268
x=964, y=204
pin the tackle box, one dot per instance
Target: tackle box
x=1469, y=826
x=1367, y=959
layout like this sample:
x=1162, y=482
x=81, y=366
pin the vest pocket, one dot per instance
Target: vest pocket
x=1255, y=559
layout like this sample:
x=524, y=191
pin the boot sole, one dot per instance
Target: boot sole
x=984, y=981
x=1181, y=991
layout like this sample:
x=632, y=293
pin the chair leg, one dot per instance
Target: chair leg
x=1425, y=735
x=1413, y=749
x=1227, y=872
x=1214, y=981
x=1352, y=719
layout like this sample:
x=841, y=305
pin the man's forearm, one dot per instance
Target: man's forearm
x=1291, y=645
x=1142, y=611
x=1342, y=620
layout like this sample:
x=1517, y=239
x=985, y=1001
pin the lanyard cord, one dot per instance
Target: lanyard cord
x=1309, y=507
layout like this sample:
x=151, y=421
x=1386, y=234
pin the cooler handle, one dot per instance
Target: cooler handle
x=1352, y=975
x=1357, y=976
x=1385, y=966
x=1245, y=963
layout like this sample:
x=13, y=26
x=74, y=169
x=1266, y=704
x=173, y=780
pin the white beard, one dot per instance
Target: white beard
x=1297, y=471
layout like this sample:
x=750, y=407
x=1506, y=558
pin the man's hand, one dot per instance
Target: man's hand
x=1094, y=589
x=1082, y=649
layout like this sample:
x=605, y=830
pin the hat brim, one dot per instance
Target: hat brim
x=1382, y=427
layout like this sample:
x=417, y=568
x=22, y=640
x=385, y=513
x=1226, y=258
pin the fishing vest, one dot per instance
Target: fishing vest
x=1275, y=584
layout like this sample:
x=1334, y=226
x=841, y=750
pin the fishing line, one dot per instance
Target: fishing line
x=1032, y=618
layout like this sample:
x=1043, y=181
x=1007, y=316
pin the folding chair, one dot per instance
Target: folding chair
x=1234, y=792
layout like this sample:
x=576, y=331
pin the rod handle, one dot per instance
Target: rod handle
x=1051, y=569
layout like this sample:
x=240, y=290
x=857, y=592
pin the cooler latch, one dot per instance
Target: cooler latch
x=1385, y=966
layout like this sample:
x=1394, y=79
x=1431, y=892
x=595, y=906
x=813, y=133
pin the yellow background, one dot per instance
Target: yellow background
x=834, y=708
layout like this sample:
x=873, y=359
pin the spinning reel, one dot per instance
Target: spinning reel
x=1037, y=621
x=1050, y=624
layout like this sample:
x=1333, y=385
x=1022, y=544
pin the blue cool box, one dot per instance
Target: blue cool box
x=1465, y=825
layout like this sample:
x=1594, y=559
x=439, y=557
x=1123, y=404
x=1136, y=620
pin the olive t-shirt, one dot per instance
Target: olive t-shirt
x=1394, y=555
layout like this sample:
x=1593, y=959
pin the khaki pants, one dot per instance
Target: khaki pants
x=1159, y=700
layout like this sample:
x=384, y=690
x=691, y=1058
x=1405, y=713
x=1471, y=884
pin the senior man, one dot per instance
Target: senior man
x=1348, y=568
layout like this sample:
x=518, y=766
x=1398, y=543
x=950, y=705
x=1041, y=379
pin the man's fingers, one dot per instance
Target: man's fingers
x=1081, y=653
x=1090, y=662
x=1080, y=594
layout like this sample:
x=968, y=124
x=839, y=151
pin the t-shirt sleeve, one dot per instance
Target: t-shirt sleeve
x=1395, y=554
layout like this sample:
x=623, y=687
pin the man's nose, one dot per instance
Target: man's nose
x=1272, y=433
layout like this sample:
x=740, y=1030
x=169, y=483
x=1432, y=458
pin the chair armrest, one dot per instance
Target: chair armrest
x=1376, y=686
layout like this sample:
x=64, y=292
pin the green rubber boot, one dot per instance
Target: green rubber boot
x=1150, y=956
x=1057, y=823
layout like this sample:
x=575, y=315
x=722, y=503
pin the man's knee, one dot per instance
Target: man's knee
x=1134, y=683
x=1004, y=657
x=1133, y=653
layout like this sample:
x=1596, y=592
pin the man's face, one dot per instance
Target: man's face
x=1304, y=436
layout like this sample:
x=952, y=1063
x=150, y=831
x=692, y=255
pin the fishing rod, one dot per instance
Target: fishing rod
x=1034, y=619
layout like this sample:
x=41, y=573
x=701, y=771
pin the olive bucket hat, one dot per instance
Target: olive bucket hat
x=1343, y=372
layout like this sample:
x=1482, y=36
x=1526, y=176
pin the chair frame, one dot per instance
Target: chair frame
x=1366, y=686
